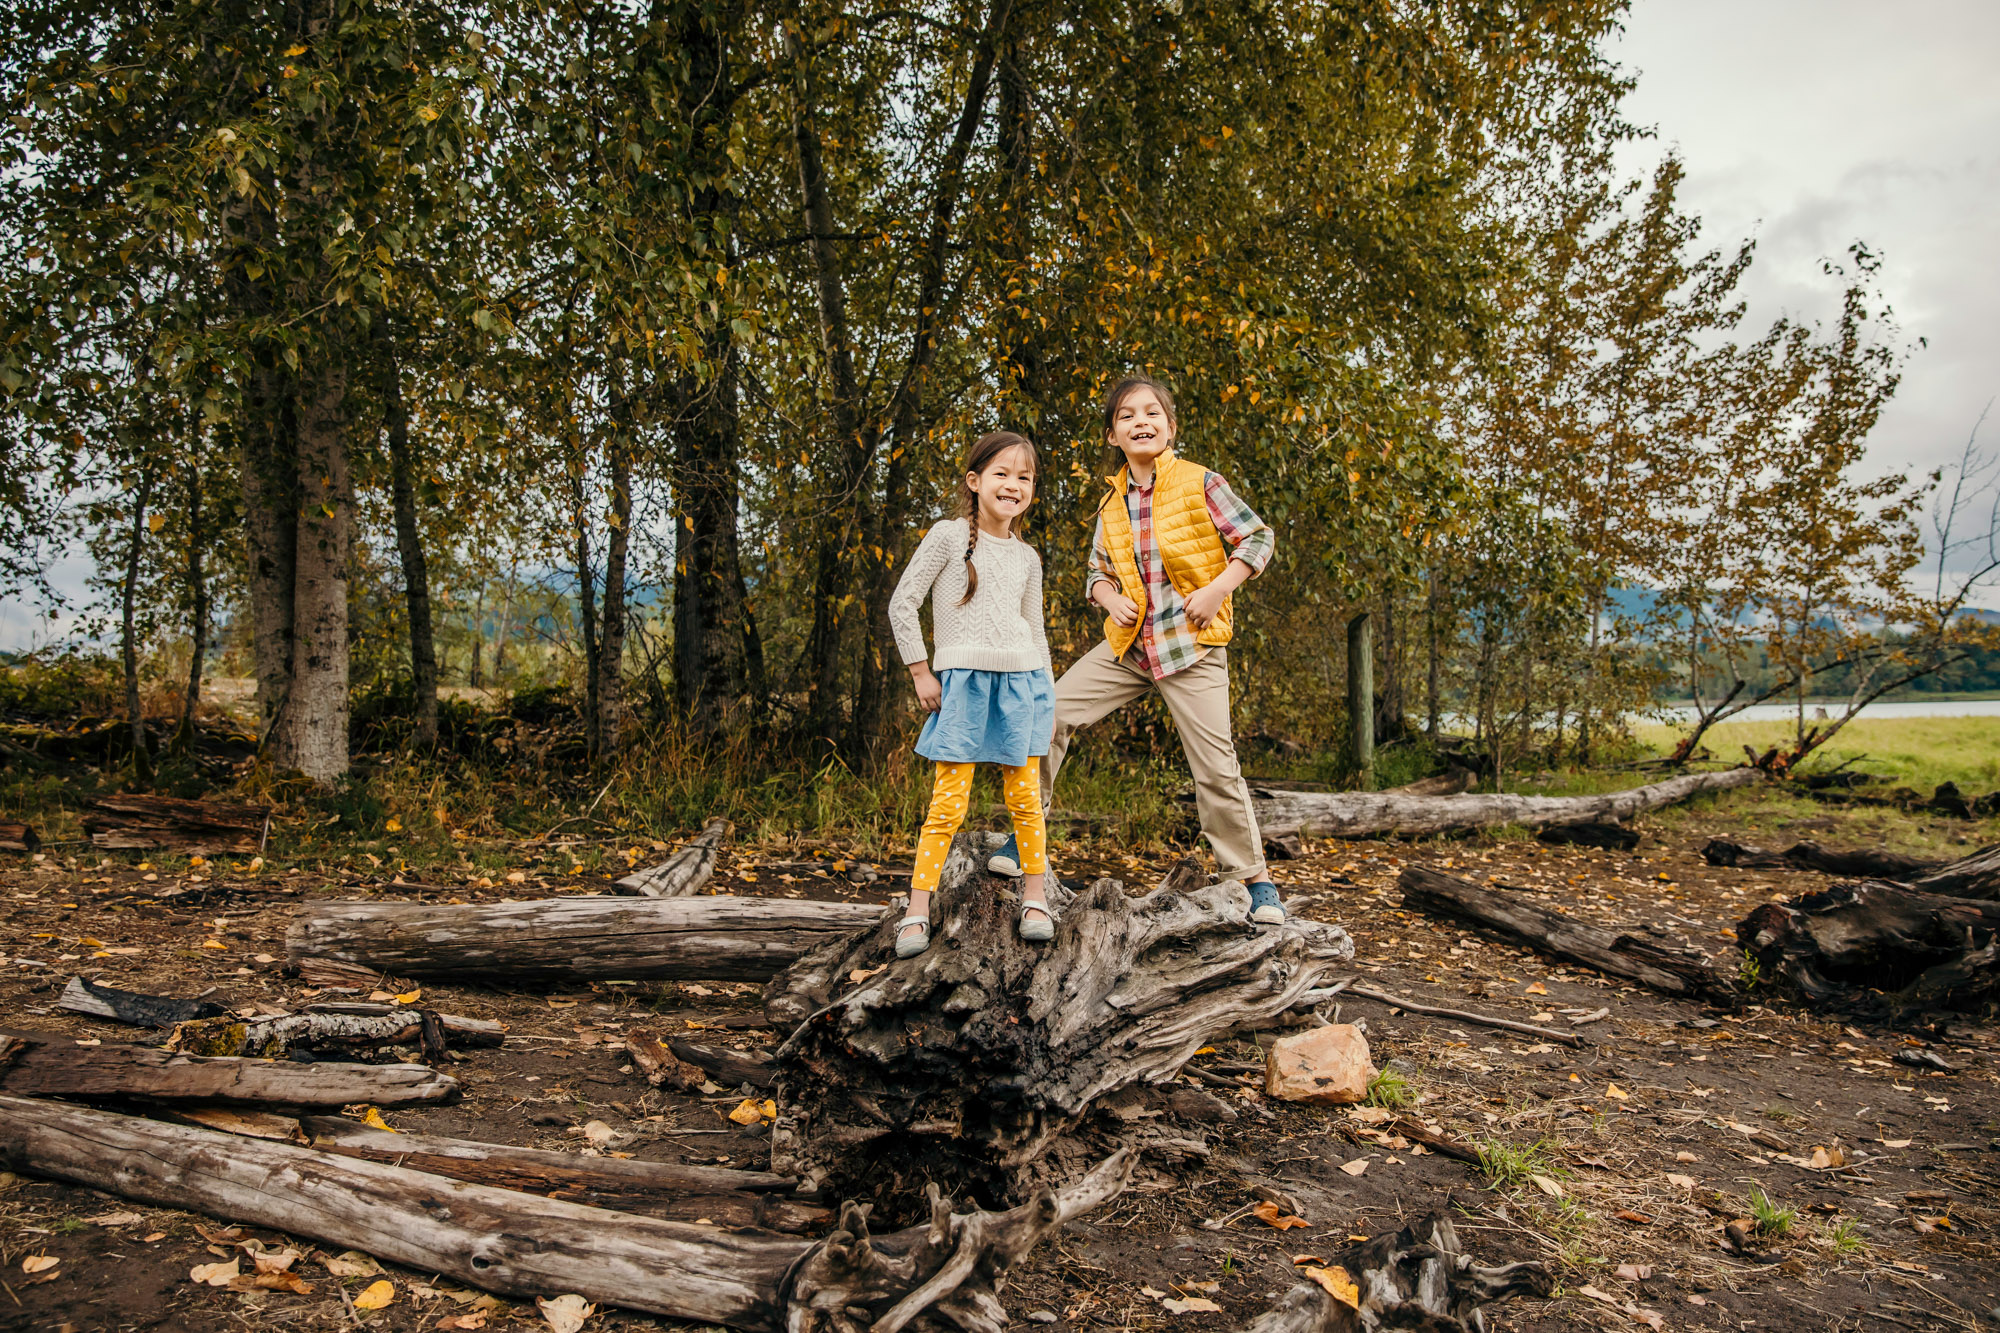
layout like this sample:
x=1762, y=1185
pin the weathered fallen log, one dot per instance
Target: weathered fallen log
x=84, y=996
x=18, y=837
x=1510, y=914
x=1590, y=833
x=1974, y=876
x=657, y=1189
x=1854, y=863
x=943, y=1275
x=1875, y=946
x=209, y=828
x=1415, y=1278
x=276, y=1038
x=463, y=1031
x=714, y=938
x=686, y=870
x=966, y=1061
x=1362, y=814
x=43, y=1065
x=725, y=1066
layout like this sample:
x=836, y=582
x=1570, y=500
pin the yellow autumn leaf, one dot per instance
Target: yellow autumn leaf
x=295, y=50
x=1338, y=1285
x=1616, y=1093
x=213, y=944
x=410, y=996
x=376, y=1296
x=747, y=1112
x=374, y=1120
x=394, y=826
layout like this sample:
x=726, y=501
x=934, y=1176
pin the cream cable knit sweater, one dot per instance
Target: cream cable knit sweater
x=1000, y=629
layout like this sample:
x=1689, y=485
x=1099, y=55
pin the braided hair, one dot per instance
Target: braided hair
x=983, y=453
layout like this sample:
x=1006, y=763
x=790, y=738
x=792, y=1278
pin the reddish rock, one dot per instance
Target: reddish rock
x=1326, y=1066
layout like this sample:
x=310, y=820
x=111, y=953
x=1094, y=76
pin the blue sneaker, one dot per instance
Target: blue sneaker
x=1265, y=908
x=1006, y=861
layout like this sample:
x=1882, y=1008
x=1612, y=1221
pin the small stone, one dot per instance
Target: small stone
x=1323, y=1066
x=1042, y=1316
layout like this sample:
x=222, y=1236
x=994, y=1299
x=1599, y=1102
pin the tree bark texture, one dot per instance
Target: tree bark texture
x=607, y=724
x=855, y=435
x=945, y=1275
x=711, y=938
x=43, y=1065
x=718, y=661
x=1511, y=915
x=205, y=828
x=1418, y=1277
x=1379, y=814
x=128, y=639
x=656, y=1189
x=1872, y=946
x=403, y=466
x=908, y=419
x=198, y=608
x=686, y=870
x=968, y=1060
x=311, y=734
x=1360, y=701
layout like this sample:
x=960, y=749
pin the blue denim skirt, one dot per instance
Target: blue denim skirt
x=990, y=717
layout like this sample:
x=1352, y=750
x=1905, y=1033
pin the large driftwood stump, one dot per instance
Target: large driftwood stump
x=568, y=939
x=966, y=1061
x=1365, y=814
x=1878, y=947
x=939, y=1277
x=1415, y=1278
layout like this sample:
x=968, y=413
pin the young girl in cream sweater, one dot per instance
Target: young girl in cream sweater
x=988, y=690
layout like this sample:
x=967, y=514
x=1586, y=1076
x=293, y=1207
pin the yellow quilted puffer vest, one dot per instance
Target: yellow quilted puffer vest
x=1190, y=547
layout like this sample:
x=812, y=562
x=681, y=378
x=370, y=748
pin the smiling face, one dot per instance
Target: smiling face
x=1141, y=427
x=1005, y=487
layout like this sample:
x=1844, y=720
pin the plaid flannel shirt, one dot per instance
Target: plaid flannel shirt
x=1166, y=641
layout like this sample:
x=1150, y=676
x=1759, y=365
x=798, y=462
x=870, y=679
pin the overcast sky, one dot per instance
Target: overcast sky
x=1814, y=123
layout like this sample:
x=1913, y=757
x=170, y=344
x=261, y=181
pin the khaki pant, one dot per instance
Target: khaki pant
x=1198, y=697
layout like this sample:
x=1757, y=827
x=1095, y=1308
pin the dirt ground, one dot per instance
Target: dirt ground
x=1619, y=1163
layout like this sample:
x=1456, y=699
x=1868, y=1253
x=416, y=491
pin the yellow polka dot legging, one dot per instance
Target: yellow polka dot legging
x=1021, y=786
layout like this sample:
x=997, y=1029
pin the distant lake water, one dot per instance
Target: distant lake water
x=1903, y=708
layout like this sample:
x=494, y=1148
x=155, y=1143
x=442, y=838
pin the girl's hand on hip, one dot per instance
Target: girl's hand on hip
x=1204, y=605
x=929, y=692
x=1122, y=609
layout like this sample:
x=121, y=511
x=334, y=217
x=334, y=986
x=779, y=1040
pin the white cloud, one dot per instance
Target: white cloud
x=1814, y=123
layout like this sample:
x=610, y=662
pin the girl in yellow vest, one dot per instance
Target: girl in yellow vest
x=1173, y=542
x=991, y=697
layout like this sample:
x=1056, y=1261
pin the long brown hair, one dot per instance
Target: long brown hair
x=1126, y=387
x=983, y=453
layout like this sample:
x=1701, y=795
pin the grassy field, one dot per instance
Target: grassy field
x=1918, y=752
